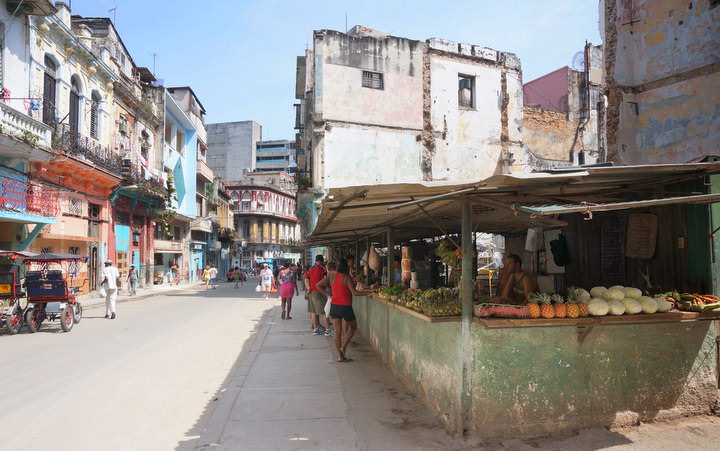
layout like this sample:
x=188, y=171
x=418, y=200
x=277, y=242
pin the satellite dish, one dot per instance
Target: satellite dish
x=578, y=61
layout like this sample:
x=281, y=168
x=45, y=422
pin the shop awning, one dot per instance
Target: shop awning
x=501, y=203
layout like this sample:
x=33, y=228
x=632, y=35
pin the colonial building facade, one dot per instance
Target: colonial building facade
x=265, y=221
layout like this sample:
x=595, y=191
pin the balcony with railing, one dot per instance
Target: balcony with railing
x=204, y=170
x=135, y=173
x=25, y=128
x=85, y=147
x=19, y=197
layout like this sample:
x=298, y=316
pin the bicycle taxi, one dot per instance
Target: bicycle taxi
x=12, y=306
x=51, y=285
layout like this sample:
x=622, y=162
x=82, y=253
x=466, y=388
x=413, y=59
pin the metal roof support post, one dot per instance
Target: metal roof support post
x=466, y=298
x=390, y=267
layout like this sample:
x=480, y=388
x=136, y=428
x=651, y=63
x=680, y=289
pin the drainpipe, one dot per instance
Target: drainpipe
x=466, y=299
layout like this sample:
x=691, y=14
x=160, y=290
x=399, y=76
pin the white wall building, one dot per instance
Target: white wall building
x=380, y=109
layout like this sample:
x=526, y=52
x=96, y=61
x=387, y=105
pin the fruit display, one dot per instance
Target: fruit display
x=434, y=302
x=391, y=293
x=559, y=306
x=502, y=311
x=693, y=302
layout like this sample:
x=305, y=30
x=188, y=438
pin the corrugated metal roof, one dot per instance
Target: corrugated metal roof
x=426, y=210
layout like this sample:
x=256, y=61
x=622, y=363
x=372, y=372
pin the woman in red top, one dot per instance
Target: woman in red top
x=341, y=310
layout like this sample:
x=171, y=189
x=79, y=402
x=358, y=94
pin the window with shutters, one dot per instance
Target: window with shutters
x=74, y=206
x=466, y=91
x=49, y=90
x=372, y=80
x=95, y=114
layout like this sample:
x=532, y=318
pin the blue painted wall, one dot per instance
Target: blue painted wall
x=183, y=164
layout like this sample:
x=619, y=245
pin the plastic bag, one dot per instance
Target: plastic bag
x=258, y=289
x=327, y=307
x=374, y=260
x=102, y=292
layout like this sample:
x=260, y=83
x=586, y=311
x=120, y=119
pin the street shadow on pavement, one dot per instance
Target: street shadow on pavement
x=200, y=427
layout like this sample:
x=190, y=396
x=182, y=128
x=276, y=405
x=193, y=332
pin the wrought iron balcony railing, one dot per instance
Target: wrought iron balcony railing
x=85, y=147
x=20, y=196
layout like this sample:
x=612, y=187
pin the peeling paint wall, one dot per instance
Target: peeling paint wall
x=662, y=64
x=547, y=380
x=467, y=140
x=412, y=129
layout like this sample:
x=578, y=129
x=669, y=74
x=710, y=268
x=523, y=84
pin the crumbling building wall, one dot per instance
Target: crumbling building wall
x=662, y=59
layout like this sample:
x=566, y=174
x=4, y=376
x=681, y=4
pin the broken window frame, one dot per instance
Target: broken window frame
x=373, y=80
x=471, y=81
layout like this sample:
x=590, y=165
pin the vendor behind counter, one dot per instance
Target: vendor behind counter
x=517, y=284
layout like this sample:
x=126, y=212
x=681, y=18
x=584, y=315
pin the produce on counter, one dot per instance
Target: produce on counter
x=559, y=306
x=616, y=307
x=694, y=302
x=597, y=292
x=632, y=306
x=633, y=293
x=648, y=304
x=598, y=307
x=614, y=294
x=663, y=305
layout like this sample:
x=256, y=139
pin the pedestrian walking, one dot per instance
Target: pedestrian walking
x=111, y=283
x=132, y=279
x=237, y=277
x=213, y=276
x=175, y=270
x=341, y=311
x=287, y=280
x=265, y=280
x=316, y=299
x=206, y=276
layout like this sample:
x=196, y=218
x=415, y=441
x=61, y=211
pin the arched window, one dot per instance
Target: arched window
x=74, y=107
x=49, y=88
x=95, y=114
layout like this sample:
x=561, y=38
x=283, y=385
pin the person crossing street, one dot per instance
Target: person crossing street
x=110, y=282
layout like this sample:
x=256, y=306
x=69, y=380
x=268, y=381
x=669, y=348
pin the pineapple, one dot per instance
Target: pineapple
x=573, y=309
x=583, y=309
x=534, y=310
x=533, y=307
x=546, y=309
x=559, y=306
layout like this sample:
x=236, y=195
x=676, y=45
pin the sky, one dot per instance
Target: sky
x=239, y=55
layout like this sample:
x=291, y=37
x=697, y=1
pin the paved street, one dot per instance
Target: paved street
x=138, y=382
x=198, y=370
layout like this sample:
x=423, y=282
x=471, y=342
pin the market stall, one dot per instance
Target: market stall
x=597, y=360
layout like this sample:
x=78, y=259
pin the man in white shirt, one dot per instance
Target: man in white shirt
x=111, y=280
x=265, y=280
x=213, y=276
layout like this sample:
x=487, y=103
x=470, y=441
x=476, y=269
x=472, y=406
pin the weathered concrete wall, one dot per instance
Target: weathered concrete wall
x=378, y=156
x=676, y=123
x=536, y=380
x=426, y=356
x=468, y=147
x=661, y=61
x=411, y=130
x=544, y=380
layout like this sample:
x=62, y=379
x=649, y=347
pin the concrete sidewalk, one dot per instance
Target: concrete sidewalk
x=287, y=392
x=93, y=299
